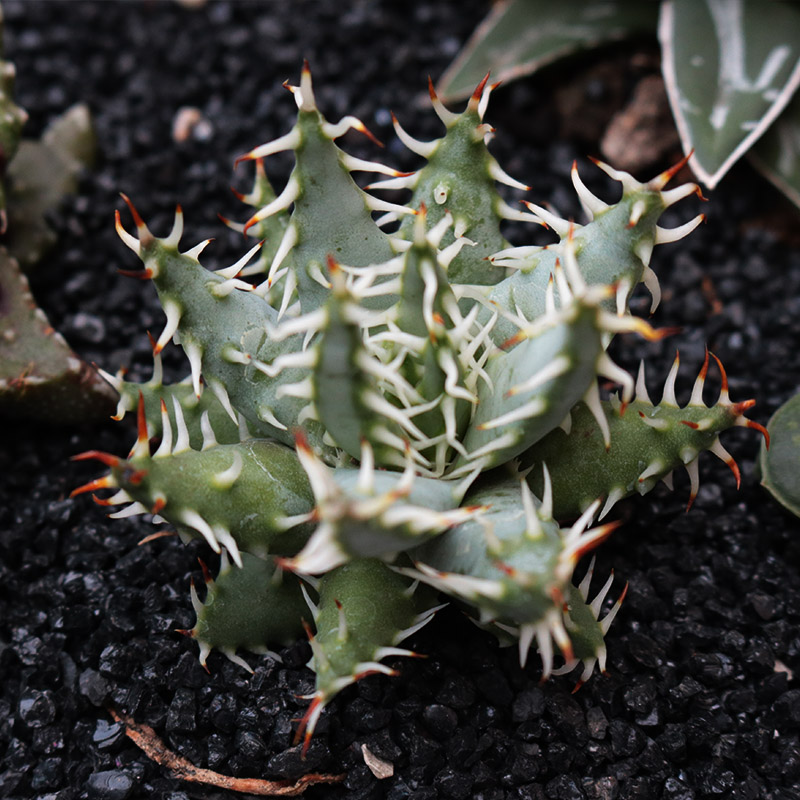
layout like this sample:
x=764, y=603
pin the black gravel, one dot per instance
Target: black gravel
x=700, y=699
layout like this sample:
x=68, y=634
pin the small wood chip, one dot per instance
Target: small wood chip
x=781, y=667
x=378, y=767
x=190, y=122
x=157, y=535
x=643, y=133
x=710, y=294
x=153, y=747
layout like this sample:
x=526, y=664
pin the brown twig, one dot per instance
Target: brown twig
x=710, y=294
x=153, y=747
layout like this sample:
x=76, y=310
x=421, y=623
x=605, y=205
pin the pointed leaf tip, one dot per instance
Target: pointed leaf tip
x=145, y=237
x=477, y=95
x=663, y=178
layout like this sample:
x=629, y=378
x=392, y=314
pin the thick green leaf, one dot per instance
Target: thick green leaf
x=780, y=465
x=40, y=376
x=519, y=36
x=777, y=153
x=730, y=67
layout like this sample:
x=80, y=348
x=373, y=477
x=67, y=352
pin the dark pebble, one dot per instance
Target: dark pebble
x=763, y=604
x=181, y=715
x=86, y=328
x=291, y=764
x=251, y=746
x=360, y=780
x=109, y=785
x=676, y=789
x=219, y=749
x=596, y=722
x=786, y=710
x=790, y=762
x=106, y=735
x=366, y=717
x=686, y=689
x=522, y=768
x=741, y=701
x=564, y=787
x=759, y=658
x=47, y=774
x=532, y=791
x=645, y=650
x=711, y=668
x=440, y=720
x=640, y=696
x=424, y=793
x=399, y=791
x=36, y=709
x=494, y=686
x=453, y=784
x=461, y=746
x=223, y=712
x=457, y=692
x=528, y=705
x=116, y=662
x=49, y=740
x=626, y=740
x=606, y=788
x=772, y=687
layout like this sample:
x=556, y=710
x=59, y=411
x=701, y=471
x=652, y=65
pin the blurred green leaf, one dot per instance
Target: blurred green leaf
x=780, y=465
x=730, y=67
x=519, y=36
x=777, y=152
x=43, y=173
x=40, y=377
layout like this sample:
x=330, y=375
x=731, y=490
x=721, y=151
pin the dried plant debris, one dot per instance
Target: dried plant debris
x=150, y=743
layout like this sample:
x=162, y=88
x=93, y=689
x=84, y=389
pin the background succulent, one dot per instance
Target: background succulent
x=40, y=375
x=730, y=70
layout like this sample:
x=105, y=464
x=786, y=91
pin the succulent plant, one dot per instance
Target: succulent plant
x=730, y=68
x=778, y=465
x=12, y=120
x=393, y=410
x=40, y=375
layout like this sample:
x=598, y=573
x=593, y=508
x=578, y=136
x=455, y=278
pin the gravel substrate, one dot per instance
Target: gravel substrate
x=700, y=699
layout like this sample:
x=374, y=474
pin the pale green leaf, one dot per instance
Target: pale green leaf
x=730, y=67
x=780, y=464
x=41, y=175
x=777, y=152
x=519, y=36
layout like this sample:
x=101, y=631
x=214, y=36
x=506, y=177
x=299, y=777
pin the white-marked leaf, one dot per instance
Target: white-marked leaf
x=777, y=152
x=730, y=67
x=519, y=36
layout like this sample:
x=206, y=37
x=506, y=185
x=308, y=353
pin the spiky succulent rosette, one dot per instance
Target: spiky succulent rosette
x=385, y=410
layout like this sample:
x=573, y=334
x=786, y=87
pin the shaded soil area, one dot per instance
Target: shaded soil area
x=700, y=698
